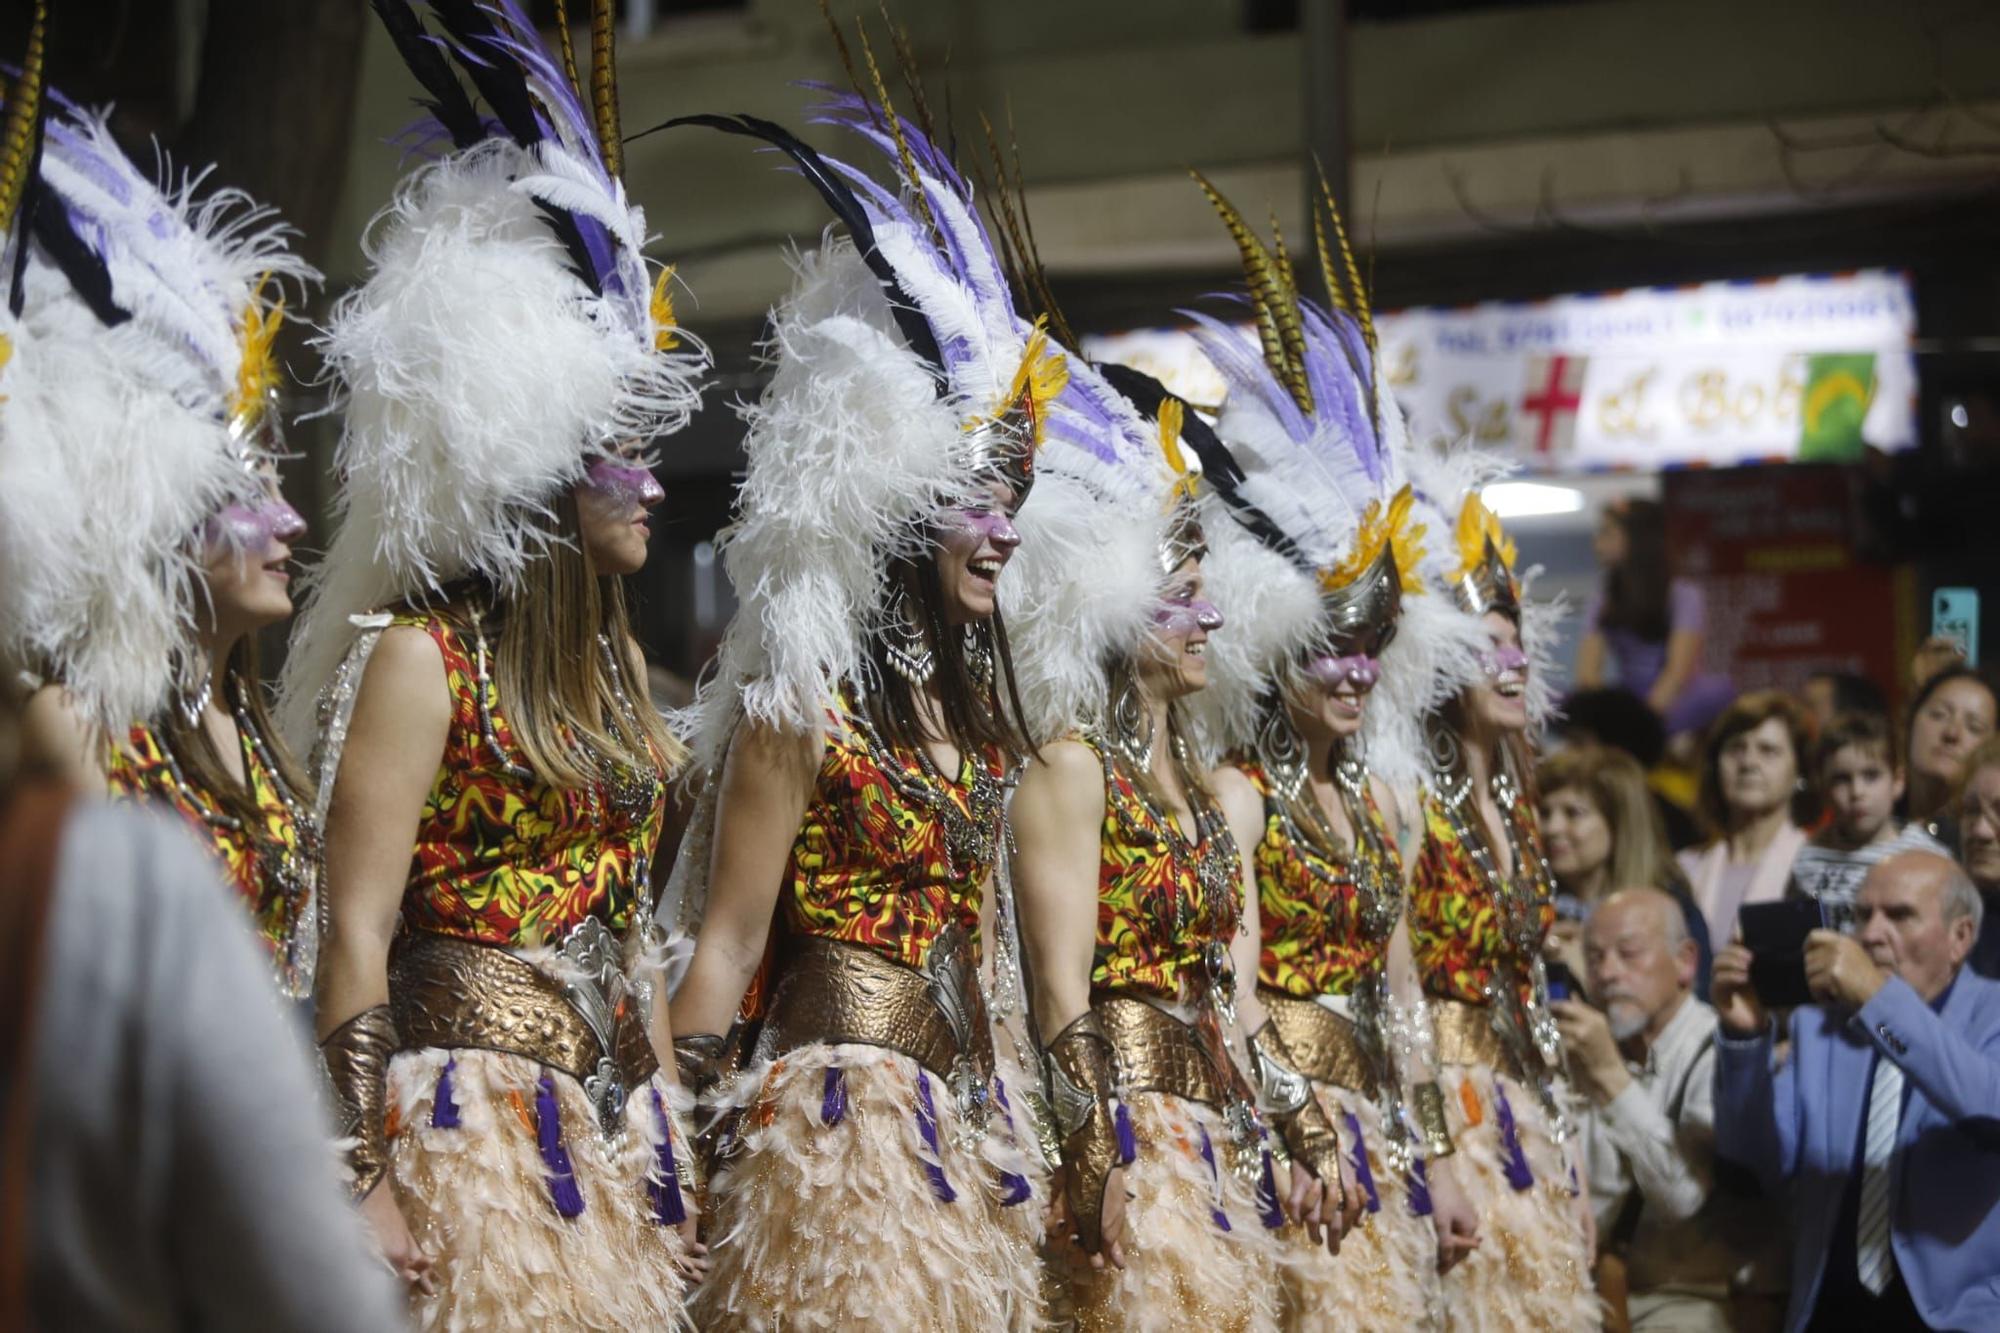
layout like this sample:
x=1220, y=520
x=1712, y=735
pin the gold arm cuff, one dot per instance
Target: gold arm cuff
x=1427, y=1104
x=698, y=1061
x=1302, y=1123
x=356, y=1055
x=1081, y=1072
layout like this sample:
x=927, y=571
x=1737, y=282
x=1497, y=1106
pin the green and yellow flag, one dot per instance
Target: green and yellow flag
x=1839, y=388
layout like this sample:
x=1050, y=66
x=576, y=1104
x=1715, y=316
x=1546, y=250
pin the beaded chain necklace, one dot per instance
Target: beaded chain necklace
x=971, y=835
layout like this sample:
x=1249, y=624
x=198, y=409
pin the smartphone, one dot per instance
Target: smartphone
x=1562, y=983
x=1955, y=616
x=1775, y=934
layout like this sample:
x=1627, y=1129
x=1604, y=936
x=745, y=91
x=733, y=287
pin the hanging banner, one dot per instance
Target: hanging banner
x=1810, y=368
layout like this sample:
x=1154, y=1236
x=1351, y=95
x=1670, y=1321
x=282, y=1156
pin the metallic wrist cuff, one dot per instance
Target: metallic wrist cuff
x=1081, y=1070
x=1427, y=1102
x=356, y=1055
x=1285, y=1097
x=698, y=1061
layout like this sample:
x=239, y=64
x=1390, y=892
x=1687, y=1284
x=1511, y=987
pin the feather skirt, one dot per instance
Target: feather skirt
x=852, y=1195
x=1197, y=1252
x=532, y=1219
x=1385, y=1276
x=1530, y=1269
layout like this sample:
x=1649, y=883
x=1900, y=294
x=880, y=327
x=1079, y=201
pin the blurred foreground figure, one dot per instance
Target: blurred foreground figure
x=166, y=1165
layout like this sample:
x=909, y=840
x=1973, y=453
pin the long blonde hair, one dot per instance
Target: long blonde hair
x=1612, y=781
x=552, y=674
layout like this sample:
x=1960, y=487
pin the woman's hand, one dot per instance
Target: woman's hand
x=406, y=1259
x=1452, y=1215
x=693, y=1263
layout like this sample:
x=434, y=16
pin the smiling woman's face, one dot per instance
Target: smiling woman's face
x=245, y=553
x=1174, y=662
x=1500, y=700
x=973, y=546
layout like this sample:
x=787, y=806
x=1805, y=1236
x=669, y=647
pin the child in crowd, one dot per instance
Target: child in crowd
x=1860, y=782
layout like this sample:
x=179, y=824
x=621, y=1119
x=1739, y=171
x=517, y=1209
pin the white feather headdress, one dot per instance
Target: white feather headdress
x=509, y=334
x=137, y=377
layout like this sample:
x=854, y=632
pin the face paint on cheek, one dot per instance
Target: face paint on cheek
x=1177, y=619
x=1501, y=660
x=623, y=485
x=1330, y=673
x=969, y=529
x=250, y=528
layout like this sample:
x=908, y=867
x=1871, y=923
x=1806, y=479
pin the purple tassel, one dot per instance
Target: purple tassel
x=1014, y=1186
x=1419, y=1181
x=1518, y=1174
x=1128, y=1141
x=1574, y=1188
x=833, y=1101
x=668, y=1206
x=444, y=1108
x=1208, y=1155
x=927, y=1128
x=1268, y=1208
x=1364, y=1175
x=548, y=1133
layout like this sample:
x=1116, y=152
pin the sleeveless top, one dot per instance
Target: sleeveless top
x=1317, y=936
x=1167, y=908
x=502, y=857
x=272, y=867
x=890, y=853
x=1458, y=924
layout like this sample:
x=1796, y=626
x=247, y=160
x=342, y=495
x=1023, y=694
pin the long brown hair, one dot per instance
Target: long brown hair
x=1613, y=782
x=1749, y=712
x=201, y=763
x=551, y=675
x=977, y=714
x=1635, y=590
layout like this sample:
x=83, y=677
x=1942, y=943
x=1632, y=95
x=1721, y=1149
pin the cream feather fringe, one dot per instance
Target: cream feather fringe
x=836, y=1226
x=477, y=1198
x=477, y=378
x=1385, y=1276
x=1529, y=1270
x=1182, y=1270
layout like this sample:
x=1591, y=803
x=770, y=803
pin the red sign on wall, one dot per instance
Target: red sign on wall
x=1774, y=549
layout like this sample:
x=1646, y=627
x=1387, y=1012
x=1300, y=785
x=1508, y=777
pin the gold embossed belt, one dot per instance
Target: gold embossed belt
x=1324, y=1046
x=833, y=993
x=1466, y=1036
x=454, y=994
x=1159, y=1053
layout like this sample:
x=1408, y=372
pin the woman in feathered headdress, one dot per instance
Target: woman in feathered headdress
x=1316, y=702
x=1481, y=903
x=488, y=1009
x=861, y=732
x=139, y=446
x=1130, y=889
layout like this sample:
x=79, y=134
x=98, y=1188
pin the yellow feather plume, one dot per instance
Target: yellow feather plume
x=1170, y=419
x=1042, y=376
x=1278, y=325
x=1381, y=528
x=1476, y=525
x=662, y=307
x=257, y=374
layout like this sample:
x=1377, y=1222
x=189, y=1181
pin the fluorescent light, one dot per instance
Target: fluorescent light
x=1531, y=499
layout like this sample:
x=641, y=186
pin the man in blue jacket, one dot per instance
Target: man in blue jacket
x=1882, y=1124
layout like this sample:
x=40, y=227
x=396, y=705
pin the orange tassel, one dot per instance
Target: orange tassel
x=392, y=1123
x=520, y=1105
x=1468, y=1100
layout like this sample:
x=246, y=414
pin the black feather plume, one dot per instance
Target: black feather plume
x=447, y=102
x=496, y=74
x=1220, y=471
x=847, y=208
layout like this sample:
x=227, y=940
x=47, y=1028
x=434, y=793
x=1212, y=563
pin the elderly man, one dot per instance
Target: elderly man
x=1885, y=1118
x=1642, y=1052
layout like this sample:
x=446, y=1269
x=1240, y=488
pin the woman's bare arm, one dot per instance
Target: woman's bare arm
x=767, y=781
x=55, y=734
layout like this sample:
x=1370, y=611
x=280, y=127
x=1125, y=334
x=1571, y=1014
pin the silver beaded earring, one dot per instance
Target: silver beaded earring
x=903, y=641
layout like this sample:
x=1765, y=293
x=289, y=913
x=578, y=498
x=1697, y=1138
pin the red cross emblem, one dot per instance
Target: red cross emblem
x=1555, y=402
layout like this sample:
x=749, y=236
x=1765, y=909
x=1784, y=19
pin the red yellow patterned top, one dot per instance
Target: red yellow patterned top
x=1456, y=931
x=254, y=861
x=871, y=864
x=1315, y=941
x=501, y=856
x=1160, y=927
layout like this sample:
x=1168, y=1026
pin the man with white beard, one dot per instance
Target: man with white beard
x=1642, y=1054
